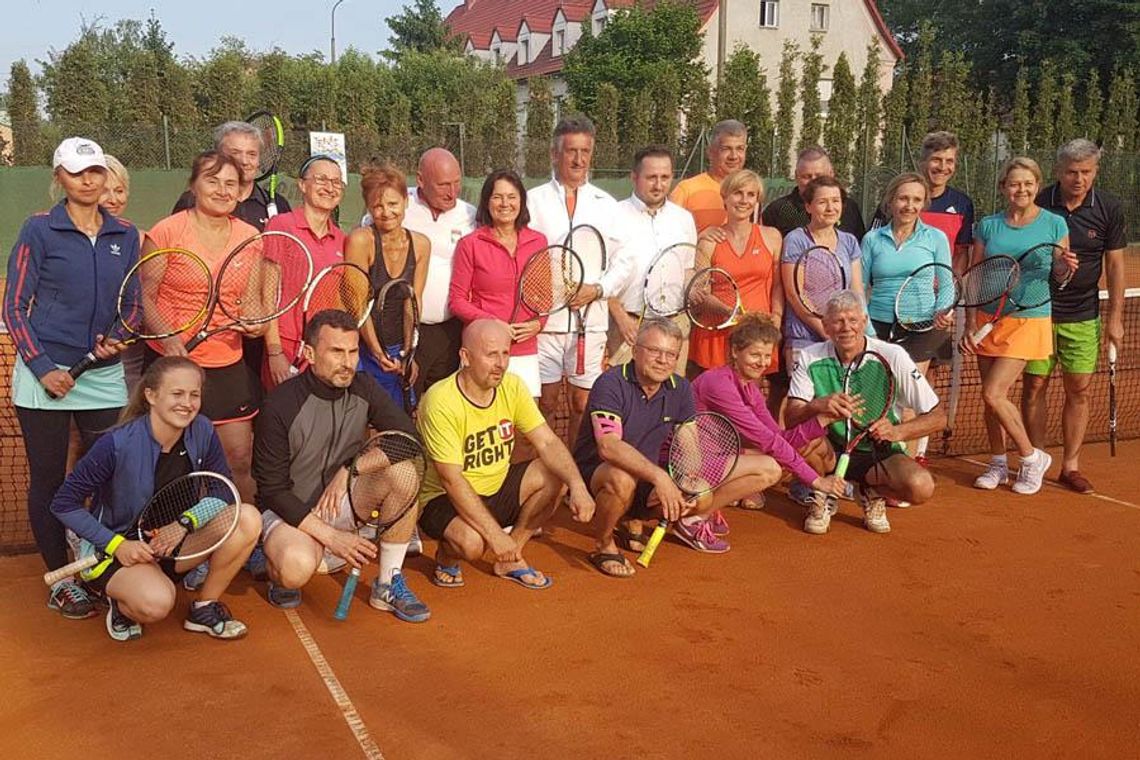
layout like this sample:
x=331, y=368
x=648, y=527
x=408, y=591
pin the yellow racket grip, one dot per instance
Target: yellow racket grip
x=841, y=466
x=654, y=541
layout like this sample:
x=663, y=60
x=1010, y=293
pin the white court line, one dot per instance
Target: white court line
x=1060, y=487
x=332, y=683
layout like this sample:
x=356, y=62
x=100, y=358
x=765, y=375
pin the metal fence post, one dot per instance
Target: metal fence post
x=166, y=139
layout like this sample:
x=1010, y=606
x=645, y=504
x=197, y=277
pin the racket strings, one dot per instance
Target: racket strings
x=1038, y=275
x=385, y=478
x=550, y=280
x=989, y=280
x=870, y=379
x=342, y=287
x=928, y=293
x=665, y=286
x=398, y=317
x=818, y=276
x=167, y=293
x=711, y=298
x=703, y=452
x=264, y=277
x=208, y=502
x=271, y=147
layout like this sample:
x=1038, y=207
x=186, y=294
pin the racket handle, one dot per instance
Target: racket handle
x=195, y=341
x=346, y=595
x=841, y=466
x=82, y=366
x=1111, y=352
x=654, y=541
x=581, y=368
x=271, y=209
x=55, y=576
x=980, y=334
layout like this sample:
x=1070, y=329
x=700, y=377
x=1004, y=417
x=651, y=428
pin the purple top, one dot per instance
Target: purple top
x=720, y=390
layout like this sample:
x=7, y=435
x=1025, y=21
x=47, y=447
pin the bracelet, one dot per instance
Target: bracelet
x=271, y=353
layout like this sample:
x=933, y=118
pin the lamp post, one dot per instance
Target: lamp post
x=332, y=32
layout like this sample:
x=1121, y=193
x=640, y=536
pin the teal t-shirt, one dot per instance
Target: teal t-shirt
x=886, y=267
x=1000, y=238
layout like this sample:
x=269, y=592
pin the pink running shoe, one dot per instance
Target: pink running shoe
x=699, y=535
x=718, y=523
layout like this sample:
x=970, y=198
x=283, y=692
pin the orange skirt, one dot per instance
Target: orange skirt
x=1025, y=338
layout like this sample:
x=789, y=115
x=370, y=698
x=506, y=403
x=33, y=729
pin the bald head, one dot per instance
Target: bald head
x=485, y=353
x=479, y=331
x=439, y=179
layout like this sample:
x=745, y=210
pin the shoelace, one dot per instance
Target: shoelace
x=215, y=612
x=718, y=520
x=704, y=533
x=72, y=594
x=120, y=620
x=400, y=590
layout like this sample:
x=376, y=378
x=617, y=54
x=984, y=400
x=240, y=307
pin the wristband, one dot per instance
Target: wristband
x=112, y=545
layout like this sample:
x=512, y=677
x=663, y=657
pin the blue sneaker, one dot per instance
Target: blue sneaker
x=398, y=599
x=215, y=619
x=801, y=494
x=283, y=598
x=257, y=564
x=194, y=579
x=119, y=626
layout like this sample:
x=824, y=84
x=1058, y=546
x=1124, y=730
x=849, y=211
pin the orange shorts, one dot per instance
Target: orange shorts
x=1017, y=338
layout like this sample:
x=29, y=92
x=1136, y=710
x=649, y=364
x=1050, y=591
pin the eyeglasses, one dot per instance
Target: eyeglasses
x=334, y=182
x=659, y=353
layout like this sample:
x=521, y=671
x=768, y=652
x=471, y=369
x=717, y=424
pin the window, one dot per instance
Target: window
x=820, y=17
x=496, y=52
x=598, y=22
x=558, y=45
x=770, y=13
x=524, y=50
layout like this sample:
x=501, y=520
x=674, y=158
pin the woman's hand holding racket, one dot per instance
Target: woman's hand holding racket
x=521, y=331
x=832, y=485
x=134, y=553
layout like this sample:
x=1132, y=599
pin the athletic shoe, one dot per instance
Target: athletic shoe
x=194, y=579
x=801, y=494
x=215, y=619
x=415, y=545
x=119, y=626
x=874, y=510
x=922, y=461
x=283, y=598
x=257, y=564
x=330, y=563
x=848, y=492
x=891, y=501
x=699, y=535
x=71, y=600
x=818, y=518
x=1076, y=481
x=1032, y=472
x=397, y=598
x=996, y=474
x=718, y=524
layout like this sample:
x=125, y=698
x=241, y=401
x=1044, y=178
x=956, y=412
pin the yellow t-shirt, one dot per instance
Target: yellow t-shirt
x=700, y=195
x=479, y=439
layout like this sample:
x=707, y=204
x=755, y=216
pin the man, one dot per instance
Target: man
x=788, y=212
x=651, y=224
x=436, y=211
x=1097, y=237
x=567, y=201
x=309, y=429
x=880, y=463
x=474, y=499
x=700, y=195
x=241, y=141
x=632, y=411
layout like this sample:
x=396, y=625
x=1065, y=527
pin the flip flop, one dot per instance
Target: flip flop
x=599, y=559
x=635, y=542
x=451, y=571
x=516, y=576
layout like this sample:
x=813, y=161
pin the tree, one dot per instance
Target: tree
x=27, y=143
x=811, y=120
x=636, y=125
x=893, y=150
x=920, y=82
x=785, y=109
x=697, y=107
x=867, y=114
x=420, y=28
x=842, y=119
x=606, y=116
x=502, y=128
x=953, y=99
x=743, y=95
x=1119, y=130
x=1092, y=107
x=77, y=87
x=1041, y=137
x=539, y=126
x=1066, y=128
x=220, y=82
x=665, y=123
x=1019, y=115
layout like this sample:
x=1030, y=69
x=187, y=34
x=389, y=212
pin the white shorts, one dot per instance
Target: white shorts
x=558, y=358
x=526, y=367
x=344, y=519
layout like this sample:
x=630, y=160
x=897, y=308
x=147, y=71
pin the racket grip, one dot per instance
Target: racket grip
x=980, y=334
x=270, y=209
x=841, y=466
x=79, y=368
x=1111, y=352
x=195, y=341
x=55, y=576
x=346, y=595
x=581, y=368
x=654, y=541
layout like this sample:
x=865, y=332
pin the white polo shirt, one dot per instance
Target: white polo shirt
x=444, y=232
x=647, y=234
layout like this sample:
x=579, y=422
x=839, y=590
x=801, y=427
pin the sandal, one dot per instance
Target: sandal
x=634, y=542
x=599, y=560
x=452, y=572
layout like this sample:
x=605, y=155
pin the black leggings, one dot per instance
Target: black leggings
x=46, y=437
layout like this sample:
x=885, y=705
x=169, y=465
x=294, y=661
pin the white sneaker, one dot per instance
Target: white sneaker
x=330, y=563
x=874, y=510
x=996, y=474
x=1032, y=472
x=818, y=518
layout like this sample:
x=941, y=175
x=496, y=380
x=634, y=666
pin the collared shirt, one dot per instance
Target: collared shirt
x=647, y=233
x=886, y=266
x=700, y=196
x=1095, y=227
x=254, y=210
x=788, y=212
x=595, y=207
x=326, y=250
x=646, y=421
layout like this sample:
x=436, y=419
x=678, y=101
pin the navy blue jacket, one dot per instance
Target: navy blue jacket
x=117, y=474
x=62, y=290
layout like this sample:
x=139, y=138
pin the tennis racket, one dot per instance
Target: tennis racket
x=818, y=275
x=341, y=287
x=164, y=294
x=549, y=280
x=869, y=377
x=272, y=147
x=1112, y=398
x=702, y=455
x=383, y=484
x=590, y=246
x=930, y=292
x=712, y=299
x=261, y=279
x=1040, y=271
x=664, y=290
x=186, y=519
x=399, y=331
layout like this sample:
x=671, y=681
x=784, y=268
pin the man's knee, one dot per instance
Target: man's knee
x=578, y=400
x=618, y=484
x=1033, y=386
x=151, y=602
x=464, y=540
x=292, y=563
x=919, y=486
x=248, y=526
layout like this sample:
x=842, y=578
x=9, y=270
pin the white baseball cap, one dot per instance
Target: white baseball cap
x=78, y=153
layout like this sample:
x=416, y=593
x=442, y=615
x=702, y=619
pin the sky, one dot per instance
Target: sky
x=34, y=27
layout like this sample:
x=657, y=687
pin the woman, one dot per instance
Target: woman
x=1015, y=339
x=387, y=252
x=734, y=391
x=208, y=228
x=160, y=438
x=63, y=281
x=487, y=265
x=750, y=254
x=322, y=190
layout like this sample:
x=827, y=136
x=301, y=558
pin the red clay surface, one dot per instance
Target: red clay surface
x=984, y=625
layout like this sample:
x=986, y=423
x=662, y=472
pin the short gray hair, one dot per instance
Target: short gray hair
x=236, y=128
x=666, y=327
x=572, y=125
x=1079, y=149
x=845, y=300
x=728, y=128
x=812, y=153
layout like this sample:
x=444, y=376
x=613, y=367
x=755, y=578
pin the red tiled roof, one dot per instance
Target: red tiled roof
x=544, y=63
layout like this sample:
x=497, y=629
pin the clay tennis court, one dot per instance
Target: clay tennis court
x=984, y=625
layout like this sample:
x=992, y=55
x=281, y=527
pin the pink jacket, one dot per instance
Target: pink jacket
x=485, y=277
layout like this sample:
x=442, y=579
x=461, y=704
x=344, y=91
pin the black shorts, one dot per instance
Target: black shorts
x=504, y=505
x=639, y=508
x=230, y=393
x=863, y=462
x=920, y=346
x=99, y=584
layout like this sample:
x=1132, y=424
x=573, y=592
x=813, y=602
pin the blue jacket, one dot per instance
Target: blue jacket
x=117, y=474
x=62, y=290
